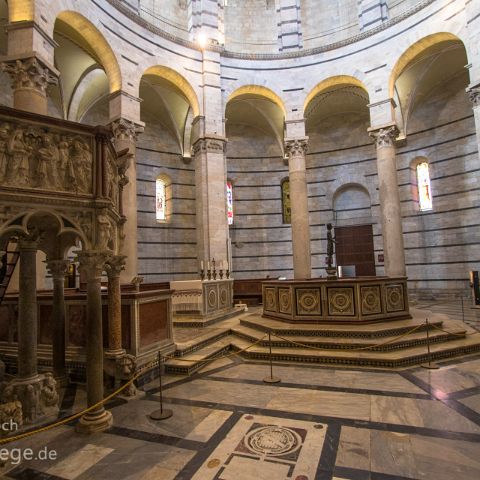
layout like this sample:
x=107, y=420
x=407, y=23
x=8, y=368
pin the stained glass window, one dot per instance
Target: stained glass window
x=161, y=200
x=424, y=189
x=230, y=203
x=286, y=210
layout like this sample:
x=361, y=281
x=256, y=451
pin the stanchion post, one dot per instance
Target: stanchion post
x=430, y=365
x=271, y=378
x=161, y=413
x=463, y=310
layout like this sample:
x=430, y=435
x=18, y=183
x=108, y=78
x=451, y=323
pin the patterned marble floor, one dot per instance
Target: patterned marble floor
x=317, y=423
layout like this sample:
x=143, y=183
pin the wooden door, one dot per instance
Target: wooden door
x=355, y=247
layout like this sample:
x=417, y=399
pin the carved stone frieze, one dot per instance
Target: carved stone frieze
x=385, y=137
x=212, y=145
x=296, y=146
x=47, y=159
x=29, y=73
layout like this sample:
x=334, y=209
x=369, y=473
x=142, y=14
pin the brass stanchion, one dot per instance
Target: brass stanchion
x=161, y=413
x=463, y=310
x=430, y=365
x=271, y=378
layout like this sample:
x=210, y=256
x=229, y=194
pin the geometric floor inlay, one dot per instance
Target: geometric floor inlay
x=266, y=448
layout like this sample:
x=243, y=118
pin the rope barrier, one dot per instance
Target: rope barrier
x=144, y=370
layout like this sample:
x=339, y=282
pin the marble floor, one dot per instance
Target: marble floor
x=317, y=423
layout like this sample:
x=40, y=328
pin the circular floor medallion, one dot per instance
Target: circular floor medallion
x=273, y=440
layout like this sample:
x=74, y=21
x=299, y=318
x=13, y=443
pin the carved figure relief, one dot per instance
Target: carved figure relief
x=105, y=236
x=34, y=158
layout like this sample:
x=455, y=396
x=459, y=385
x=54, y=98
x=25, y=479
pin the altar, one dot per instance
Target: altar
x=197, y=302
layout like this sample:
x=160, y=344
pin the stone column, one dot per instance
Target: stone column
x=58, y=270
x=474, y=94
x=114, y=267
x=390, y=208
x=125, y=136
x=27, y=310
x=211, y=214
x=30, y=79
x=92, y=263
x=295, y=149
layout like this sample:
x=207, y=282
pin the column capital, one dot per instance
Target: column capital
x=123, y=129
x=384, y=136
x=474, y=94
x=57, y=268
x=212, y=144
x=114, y=265
x=92, y=263
x=30, y=241
x=296, y=146
x=29, y=73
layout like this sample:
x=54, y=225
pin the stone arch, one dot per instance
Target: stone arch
x=179, y=81
x=328, y=83
x=260, y=91
x=21, y=10
x=414, y=51
x=97, y=42
x=351, y=203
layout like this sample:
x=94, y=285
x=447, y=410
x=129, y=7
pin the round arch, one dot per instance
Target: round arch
x=337, y=80
x=97, y=42
x=416, y=49
x=179, y=81
x=260, y=91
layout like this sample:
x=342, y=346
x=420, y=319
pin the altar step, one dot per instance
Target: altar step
x=332, y=345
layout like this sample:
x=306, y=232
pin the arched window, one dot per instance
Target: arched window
x=286, y=209
x=229, y=202
x=423, y=186
x=162, y=199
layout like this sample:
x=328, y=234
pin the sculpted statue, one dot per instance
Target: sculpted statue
x=19, y=168
x=4, y=135
x=49, y=390
x=330, y=245
x=105, y=232
x=112, y=183
x=48, y=159
x=81, y=158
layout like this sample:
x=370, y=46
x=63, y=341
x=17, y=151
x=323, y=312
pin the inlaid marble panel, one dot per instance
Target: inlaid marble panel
x=371, y=302
x=341, y=302
x=308, y=301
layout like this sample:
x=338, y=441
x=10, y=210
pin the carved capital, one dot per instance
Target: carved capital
x=123, y=129
x=32, y=240
x=384, y=137
x=29, y=73
x=92, y=263
x=57, y=268
x=209, y=144
x=296, y=146
x=115, y=264
x=474, y=95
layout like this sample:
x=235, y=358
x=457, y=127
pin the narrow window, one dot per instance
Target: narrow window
x=161, y=200
x=286, y=210
x=229, y=203
x=424, y=189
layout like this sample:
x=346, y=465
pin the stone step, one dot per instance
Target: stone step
x=373, y=330
x=202, y=341
x=333, y=343
x=393, y=359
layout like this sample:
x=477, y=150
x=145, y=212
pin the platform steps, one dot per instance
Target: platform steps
x=9, y=262
x=332, y=346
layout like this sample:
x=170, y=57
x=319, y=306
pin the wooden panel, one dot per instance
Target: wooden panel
x=153, y=322
x=355, y=247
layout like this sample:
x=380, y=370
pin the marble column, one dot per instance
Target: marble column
x=295, y=148
x=92, y=263
x=125, y=136
x=30, y=79
x=27, y=310
x=210, y=193
x=114, y=267
x=474, y=94
x=58, y=269
x=390, y=208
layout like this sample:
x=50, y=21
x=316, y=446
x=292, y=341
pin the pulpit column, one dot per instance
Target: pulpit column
x=92, y=264
x=114, y=267
x=295, y=149
x=391, y=213
x=58, y=269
